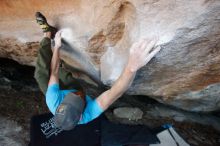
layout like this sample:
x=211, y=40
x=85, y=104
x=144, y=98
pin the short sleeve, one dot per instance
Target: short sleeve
x=53, y=98
x=92, y=111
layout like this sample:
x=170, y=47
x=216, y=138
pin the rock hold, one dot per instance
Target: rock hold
x=128, y=113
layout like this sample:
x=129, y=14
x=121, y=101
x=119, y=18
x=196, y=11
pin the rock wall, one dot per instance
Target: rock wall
x=185, y=74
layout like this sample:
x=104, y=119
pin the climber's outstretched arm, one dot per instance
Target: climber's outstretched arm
x=55, y=62
x=139, y=56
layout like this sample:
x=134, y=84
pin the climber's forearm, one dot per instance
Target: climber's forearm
x=138, y=57
x=118, y=88
x=123, y=83
x=55, y=61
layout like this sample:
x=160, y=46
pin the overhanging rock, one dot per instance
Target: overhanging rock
x=185, y=74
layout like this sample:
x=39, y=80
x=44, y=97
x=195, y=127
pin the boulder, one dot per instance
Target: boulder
x=130, y=113
x=185, y=74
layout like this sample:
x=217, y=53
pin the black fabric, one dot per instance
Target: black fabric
x=121, y=134
x=81, y=135
x=99, y=132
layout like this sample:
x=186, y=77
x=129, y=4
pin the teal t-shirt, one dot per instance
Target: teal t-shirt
x=55, y=96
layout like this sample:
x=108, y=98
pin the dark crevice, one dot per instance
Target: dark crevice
x=16, y=76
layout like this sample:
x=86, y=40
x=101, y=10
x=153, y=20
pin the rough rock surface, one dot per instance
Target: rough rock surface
x=185, y=74
x=11, y=133
x=128, y=113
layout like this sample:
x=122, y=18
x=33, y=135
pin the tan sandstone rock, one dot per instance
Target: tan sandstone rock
x=185, y=74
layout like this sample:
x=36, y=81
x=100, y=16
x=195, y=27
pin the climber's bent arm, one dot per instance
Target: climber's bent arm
x=139, y=56
x=55, y=61
x=118, y=88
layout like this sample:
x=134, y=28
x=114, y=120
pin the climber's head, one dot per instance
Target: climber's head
x=69, y=111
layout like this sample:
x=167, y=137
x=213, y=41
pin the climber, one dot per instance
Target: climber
x=64, y=96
